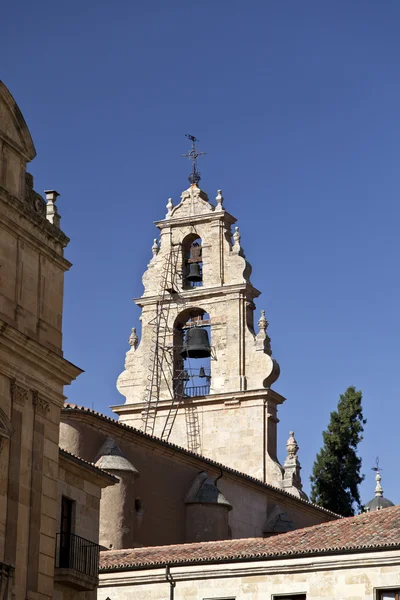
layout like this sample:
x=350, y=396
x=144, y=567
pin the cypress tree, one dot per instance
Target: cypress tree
x=336, y=471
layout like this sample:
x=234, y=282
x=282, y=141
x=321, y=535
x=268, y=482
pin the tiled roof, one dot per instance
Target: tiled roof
x=369, y=531
x=88, y=465
x=74, y=408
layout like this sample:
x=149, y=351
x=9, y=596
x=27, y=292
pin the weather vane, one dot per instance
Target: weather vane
x=377, y=468
x=193, y=155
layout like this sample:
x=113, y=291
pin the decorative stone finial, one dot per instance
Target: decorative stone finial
x=378, y=487
x=170, y=206
x=236, y=241
x=262, y=322
x=220, y=200
x=155, y=247
x=292, y=446
x=51, y=208
x=291, y=478
x=133, y=339
x=263, y=339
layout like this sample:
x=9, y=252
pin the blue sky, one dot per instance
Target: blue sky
x=297, y=106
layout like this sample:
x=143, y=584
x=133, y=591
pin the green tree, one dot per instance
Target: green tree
x=336, y=471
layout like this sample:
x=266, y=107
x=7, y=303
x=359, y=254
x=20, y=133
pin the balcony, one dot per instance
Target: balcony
x=77, y=562
x=6, y=581
x=197, y=390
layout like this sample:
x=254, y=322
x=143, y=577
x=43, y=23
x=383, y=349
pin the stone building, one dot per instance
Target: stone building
x=80, y=487
x=170, y=495
x=33, y=373
x=357, y=558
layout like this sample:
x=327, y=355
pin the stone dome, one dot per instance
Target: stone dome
x=377, y=503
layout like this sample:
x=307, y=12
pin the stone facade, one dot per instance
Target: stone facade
x=242, y=369
x=356, y=558
x=340, y=577
x=33, y=372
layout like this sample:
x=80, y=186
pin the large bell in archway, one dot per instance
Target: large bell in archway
x=196, y=344
x=194, y=272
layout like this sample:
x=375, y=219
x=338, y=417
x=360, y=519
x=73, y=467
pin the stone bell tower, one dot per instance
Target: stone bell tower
x=222, y=406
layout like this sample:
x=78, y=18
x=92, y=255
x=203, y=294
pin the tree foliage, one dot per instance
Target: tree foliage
x=336, y=471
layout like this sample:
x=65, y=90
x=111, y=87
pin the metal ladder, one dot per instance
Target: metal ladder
x=192, y=427
x=161, y=357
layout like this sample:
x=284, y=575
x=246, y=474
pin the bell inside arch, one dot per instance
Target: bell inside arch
x=194, y=273
x=196, y=344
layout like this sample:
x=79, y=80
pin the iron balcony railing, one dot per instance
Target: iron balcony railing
x=74, y=552
x=197, y=390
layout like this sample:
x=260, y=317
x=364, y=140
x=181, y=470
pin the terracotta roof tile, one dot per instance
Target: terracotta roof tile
x=75, y=408
x=378, y=530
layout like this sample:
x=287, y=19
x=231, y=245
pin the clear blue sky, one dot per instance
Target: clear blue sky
x=297, y=106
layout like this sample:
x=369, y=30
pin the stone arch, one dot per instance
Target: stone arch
x=199, y=375
x=191, y=253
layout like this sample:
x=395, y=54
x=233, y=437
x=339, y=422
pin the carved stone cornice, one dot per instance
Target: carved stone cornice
x=35, y=217
x=18, y=393
x=41, y=406
x=48, y=365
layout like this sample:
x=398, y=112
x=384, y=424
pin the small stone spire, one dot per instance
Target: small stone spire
x=292, y=446
x=220, y=200
x=170, y=206
x=378, y=487
x=51, y=208
x=263, y=339
x=133, y=339
x=236, y=241
x=292, y=479
x=263, y=323
x=155, y=247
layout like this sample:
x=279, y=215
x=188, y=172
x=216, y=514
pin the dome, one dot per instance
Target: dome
x=377, y=503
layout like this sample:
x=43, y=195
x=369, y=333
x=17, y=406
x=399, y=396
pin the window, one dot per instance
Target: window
x=66, y=530
x=66, y=515
x=393, y=594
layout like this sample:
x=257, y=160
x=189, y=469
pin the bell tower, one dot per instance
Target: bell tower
x=201, y=375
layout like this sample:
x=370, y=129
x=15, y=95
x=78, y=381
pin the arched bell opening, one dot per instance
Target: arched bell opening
x=192, y=353
x=192, y=268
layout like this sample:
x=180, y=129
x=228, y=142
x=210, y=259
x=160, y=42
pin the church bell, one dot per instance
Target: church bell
x=194, y=272
x=196, y=344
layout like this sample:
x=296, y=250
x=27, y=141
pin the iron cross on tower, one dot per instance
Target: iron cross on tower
x=193, y=155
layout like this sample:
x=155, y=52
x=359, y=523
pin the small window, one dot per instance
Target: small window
x=393, y=594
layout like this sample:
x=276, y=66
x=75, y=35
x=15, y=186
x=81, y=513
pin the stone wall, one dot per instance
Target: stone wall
x=165, y=476
x=84, y=488
x=33, y=372
x=339, y=577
